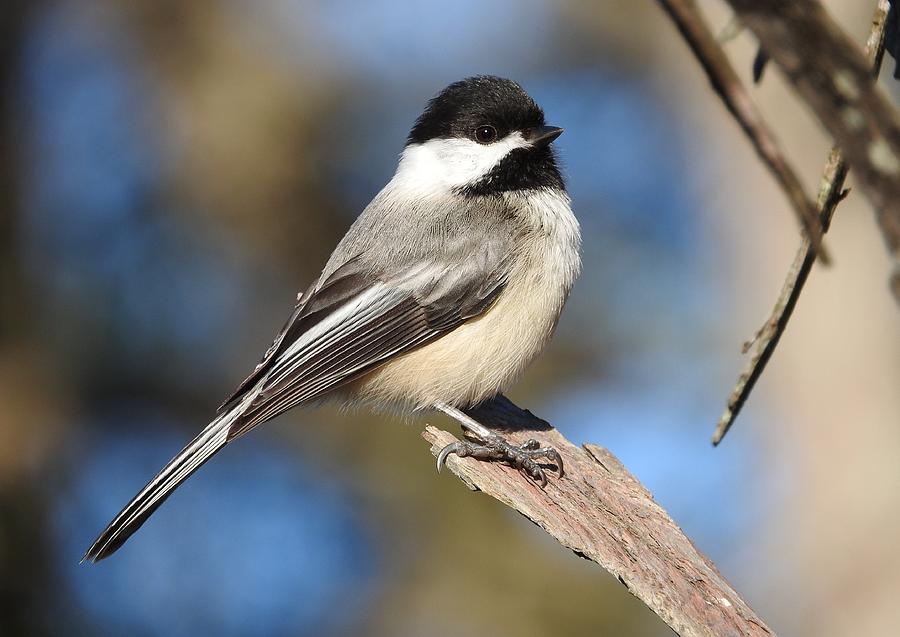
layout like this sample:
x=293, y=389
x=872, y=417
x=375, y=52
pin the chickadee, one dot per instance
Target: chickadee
x=444, y=289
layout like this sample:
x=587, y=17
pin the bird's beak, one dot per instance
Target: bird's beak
x=542, y=135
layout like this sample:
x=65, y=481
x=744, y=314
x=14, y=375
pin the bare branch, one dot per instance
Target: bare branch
x=600, y=511
x=830, y=194
x=728, y=85
x=830, y=73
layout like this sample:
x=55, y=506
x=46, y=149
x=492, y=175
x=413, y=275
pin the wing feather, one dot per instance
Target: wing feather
x=394, y=314
x=312, y=306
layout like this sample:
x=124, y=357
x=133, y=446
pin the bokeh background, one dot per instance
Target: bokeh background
x=171, y=173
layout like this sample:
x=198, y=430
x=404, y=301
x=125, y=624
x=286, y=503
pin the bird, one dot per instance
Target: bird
x=447, y=285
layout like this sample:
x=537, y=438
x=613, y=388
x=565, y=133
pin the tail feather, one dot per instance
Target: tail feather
x=142, y=506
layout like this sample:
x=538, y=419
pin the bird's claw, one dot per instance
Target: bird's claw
x=523, y=457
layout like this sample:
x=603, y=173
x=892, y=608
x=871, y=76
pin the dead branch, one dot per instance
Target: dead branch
x=830, y=194
x=601, y=512
x=726, y=82
x=830, y=73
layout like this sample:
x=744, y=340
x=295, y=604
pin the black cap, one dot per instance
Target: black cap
x=475, y=101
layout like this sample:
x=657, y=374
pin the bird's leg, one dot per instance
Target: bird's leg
x=523, y=457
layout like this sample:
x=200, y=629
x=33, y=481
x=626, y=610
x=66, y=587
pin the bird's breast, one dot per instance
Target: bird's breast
x=485, y=355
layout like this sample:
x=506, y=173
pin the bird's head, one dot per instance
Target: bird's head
x=481, y=136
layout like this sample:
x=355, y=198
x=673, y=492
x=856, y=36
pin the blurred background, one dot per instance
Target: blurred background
x=172, y=173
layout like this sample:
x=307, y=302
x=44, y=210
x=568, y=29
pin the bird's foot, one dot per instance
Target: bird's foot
x=523, y=457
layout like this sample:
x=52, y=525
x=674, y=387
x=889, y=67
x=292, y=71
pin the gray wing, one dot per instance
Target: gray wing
x=358, y=319
x=312, y=306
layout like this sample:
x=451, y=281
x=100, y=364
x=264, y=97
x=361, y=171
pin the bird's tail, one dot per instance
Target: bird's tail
x=142, y=506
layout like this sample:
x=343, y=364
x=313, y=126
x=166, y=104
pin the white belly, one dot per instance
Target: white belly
x=485, y=355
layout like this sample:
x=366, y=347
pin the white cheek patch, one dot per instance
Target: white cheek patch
x=450, y=163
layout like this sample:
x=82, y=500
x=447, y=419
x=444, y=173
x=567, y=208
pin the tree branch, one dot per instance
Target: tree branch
x=829, y=72
x=830, y=194
x=731, y=90
x=601, y=512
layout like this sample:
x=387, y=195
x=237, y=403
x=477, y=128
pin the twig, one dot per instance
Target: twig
x=830, y=195
x=759, y=64
x=830, y=74
x=731, y=90
x=601, y=512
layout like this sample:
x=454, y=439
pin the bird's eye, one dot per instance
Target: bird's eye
x=485, y=134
